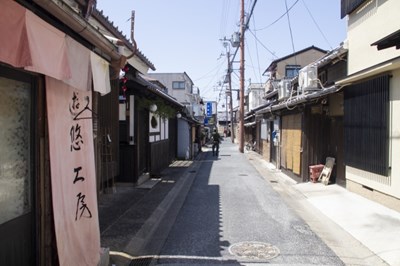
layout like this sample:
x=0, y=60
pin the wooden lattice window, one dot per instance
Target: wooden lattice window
x=366, y=125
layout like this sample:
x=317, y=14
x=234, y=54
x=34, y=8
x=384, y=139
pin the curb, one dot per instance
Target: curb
x=150, y=239
x=348, y=248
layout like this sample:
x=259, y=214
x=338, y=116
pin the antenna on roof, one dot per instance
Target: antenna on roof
x=132, y=26
x=132, y=34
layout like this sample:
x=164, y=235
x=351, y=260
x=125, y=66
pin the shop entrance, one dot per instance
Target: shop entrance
x=16, y=169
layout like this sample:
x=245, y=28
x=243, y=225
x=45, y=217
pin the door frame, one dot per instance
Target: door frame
x=27, y=222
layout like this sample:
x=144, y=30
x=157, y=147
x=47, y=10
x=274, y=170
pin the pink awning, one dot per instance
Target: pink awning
x=48, y=48
x=28, y=41
x=79, y=61
x=13, y=35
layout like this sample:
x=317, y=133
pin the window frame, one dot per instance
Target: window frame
x=12, y=74
x=179, y=87
x=292, y=68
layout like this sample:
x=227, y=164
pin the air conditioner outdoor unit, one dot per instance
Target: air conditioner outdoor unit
x=308, y=79
x=284, y=89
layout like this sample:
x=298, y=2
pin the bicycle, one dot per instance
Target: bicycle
x=250, y=146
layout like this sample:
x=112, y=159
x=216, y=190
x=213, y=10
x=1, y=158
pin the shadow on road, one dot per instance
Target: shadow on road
x=196, y=235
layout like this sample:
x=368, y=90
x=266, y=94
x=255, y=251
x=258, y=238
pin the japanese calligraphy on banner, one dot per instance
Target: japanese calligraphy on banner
x=73, y=174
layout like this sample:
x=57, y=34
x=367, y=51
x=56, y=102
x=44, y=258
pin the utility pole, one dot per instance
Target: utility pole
x=241, y=105
x=226, y=114
x=230, y=96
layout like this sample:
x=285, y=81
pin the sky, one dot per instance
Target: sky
x=186, y=35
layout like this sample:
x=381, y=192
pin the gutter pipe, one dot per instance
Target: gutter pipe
x=67, y=15
x=300, y=99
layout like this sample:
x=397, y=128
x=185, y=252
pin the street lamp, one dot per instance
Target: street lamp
x=153, y=108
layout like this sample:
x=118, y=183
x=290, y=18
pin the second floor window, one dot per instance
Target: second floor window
x=179, y=85
x=292, y=70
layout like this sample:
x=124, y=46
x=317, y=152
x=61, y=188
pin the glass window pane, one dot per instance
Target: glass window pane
x=178, y=84
x=291, y=71
x=15, y=145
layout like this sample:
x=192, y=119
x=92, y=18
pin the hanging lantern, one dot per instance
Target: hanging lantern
x=153, y=108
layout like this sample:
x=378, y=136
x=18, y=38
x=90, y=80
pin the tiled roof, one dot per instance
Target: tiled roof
x=273, y=64
x=113, y=29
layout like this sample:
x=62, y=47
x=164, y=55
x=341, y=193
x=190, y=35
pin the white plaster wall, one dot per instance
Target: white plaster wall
x=181, y=95
x=372, y=22
x=183, y=139
x=395, y=131
x=255, y=98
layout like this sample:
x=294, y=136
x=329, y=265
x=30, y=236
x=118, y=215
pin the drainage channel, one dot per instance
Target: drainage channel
x=180, y=260
x=243, y=251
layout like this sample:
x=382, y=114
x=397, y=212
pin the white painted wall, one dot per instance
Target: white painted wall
x=256, y=97
x=183, y=141
x=395, y=132
x=181, y=95
x=372, y=22
x=161, y=131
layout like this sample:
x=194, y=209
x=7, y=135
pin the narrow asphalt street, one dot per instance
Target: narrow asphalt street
x=238, y=209
x=233, y=216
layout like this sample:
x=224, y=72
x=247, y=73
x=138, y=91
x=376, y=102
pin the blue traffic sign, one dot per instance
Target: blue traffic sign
x=209, y=109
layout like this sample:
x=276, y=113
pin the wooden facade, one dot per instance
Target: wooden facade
x=146, y=148
x=30, y=238
x=307, y=128
x=106, y=131
x=158, y=159
x=291, y=132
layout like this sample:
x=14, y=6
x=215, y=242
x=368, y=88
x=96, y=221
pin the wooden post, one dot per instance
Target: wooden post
x=241, y=105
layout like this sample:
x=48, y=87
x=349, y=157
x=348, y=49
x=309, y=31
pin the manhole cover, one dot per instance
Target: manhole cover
x=254, y=250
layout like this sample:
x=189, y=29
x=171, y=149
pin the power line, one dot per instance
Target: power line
x=251, y=60
x=212, y=80
x=224, y=16
x=287, y=10
x=290, y=30
x=263, y=45
x=257, y=52
x=316, y=24
x=212, y=70
x=245, y=28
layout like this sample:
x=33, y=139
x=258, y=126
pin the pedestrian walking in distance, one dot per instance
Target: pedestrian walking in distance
x=216, y=141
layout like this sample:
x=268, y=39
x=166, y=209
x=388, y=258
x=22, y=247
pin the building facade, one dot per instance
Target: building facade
x=371, y=100
x=181, y=87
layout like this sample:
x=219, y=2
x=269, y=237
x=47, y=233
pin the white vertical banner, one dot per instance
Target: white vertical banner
x=131, y=119
x=73, y=174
